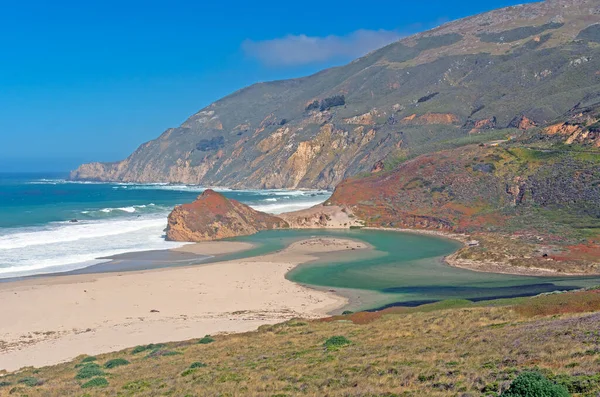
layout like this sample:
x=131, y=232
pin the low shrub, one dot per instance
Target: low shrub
x=206, y=340
x=347, y=312
x=116, y=362
x=578, y=383
x=5, y=383
x=89, y=371
x=31, y=381
x=534, y=384
x=197, y=364
x=96, y=382
x=88, y=359
x=137, y=386
x=188, y=371
x=143, y=348
x=335, y=342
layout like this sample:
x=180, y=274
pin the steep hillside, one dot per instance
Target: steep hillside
x=213, y=216
x=531, y=202
x=484, y=76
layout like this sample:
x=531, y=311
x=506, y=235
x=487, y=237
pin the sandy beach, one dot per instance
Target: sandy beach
x=53, y=319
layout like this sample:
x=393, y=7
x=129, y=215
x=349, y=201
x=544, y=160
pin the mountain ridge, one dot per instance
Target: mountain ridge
x=489, y=74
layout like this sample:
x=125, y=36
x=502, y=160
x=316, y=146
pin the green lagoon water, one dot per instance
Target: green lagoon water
x=404, y=269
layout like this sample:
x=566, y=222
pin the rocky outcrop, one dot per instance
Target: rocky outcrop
x=322, y=217
x=476, y=126
x=522, y=122
x=378, y=167
x=517, y=190
x=213, y=216
x=586, y=134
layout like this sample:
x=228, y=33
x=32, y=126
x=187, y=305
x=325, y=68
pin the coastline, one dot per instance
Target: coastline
x=59, y=318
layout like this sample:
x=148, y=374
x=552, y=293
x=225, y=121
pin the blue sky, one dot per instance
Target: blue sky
x=91, y=80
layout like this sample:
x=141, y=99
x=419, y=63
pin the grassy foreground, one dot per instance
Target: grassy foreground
x=452, y=348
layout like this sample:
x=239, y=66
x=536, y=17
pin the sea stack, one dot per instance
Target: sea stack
x=213, y=216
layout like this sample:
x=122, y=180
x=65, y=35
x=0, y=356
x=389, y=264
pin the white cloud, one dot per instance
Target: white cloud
x=294, y=50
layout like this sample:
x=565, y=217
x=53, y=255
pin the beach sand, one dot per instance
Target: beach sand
x=49, y=320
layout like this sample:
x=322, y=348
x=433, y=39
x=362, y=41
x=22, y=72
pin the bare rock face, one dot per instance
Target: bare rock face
x=522, y=123
x=322, y=217
x=213, y=216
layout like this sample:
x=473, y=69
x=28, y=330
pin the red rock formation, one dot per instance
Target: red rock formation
x=480, y=125
x=522, y=123
x=213, y=216
x=575, y=133
x=377, y=167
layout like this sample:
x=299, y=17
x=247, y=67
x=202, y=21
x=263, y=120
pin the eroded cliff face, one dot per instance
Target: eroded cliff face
x=582, y=128
x=213, y=217
x=519, y=68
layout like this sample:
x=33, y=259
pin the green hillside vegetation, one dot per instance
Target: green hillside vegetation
x=452, y=348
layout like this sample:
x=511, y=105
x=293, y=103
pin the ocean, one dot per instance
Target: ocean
x=51, y=225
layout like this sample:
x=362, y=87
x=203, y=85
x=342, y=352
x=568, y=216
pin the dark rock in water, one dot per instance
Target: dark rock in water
x=73, y=221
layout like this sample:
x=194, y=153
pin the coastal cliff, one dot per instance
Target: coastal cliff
x=477, y=79
x=212, y=217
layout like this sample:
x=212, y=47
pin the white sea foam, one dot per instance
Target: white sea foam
x=129, y=209
x=124, y=209
x=63, y=247
x=198, y=189
x=286, y=207
x=66, y=232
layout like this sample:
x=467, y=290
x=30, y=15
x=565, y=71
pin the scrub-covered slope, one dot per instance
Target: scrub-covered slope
x=514, y=68
x=532, y=201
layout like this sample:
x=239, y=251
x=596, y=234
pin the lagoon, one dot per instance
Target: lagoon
x=402, y=269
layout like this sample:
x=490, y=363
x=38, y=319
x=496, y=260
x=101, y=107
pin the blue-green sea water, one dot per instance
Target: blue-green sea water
x=48, y=224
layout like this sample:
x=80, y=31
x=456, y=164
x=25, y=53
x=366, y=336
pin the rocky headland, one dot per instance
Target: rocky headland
x=212, y=216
